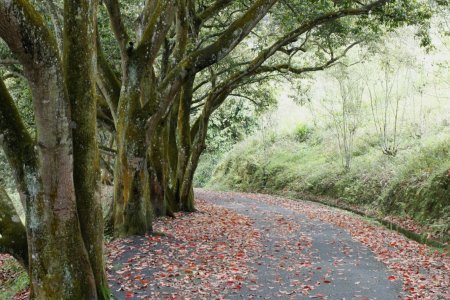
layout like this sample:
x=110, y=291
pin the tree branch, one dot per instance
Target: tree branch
x=57, y=21
x=221, y=72
x=213, y=9
x=233, y=81
x=13, y=237
x=156, y=31
x=246, y=97
x=117, y=25
x=15, y=139
x=294, y=70
x=107, y=82
x=231, y=37
x=9, y=61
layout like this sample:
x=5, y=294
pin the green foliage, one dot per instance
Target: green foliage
x=230, y=124
x=415, y=183
x=302, y=132
x=6, y=178
x=208, y=161
x=428, y=169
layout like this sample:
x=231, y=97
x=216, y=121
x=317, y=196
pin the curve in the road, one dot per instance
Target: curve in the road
x=303, y=258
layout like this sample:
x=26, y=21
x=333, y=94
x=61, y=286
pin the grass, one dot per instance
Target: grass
x=13, y=278
x=413, y=184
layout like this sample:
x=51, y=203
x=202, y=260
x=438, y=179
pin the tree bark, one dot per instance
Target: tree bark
x=59, y=263
x=80, y=58
x=198, y=145
x=131, y=195
x=184, y=202
x=158, y=189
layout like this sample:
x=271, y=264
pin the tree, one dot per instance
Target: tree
x=346, y=114
x=64, y=245
x=388, y=95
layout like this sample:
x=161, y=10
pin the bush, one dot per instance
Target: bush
x=302, y=133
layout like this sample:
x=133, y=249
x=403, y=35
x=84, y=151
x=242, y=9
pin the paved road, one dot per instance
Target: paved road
x=303, y=258
x=295, y=256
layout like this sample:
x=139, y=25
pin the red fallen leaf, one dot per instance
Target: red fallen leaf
x=237, y=287
x=238, y=277
x=327, y=281
x=240, y=254
x=391, y=278
x=129, y=295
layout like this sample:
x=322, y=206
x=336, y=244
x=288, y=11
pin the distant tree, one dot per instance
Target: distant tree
x=346, y=113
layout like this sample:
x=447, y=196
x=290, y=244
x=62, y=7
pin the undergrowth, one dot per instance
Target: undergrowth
x=415, y=183
x=13, y=278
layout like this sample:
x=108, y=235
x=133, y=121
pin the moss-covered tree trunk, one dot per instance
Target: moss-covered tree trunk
x=80, y=58
x=198, y=145
x=170, y=158
x=131, y=194
x=184, y=201
x=162, y=167
x=157, y=177
x=59, y=263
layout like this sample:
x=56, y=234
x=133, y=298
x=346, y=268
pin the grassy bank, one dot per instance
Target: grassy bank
x=413, y=184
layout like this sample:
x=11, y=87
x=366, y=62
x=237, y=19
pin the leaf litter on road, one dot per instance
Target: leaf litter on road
x=424, y=272
x=216, y=253
x=201, y=255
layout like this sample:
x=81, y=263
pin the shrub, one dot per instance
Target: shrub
x=302, y=133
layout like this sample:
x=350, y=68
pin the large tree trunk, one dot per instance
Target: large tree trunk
x=59, y=263
x=80, y=58
x=160, y=166
x=13, y=237
x=155, y=168
x=131, y=195
x=170, y=158
x=184, y=200
x=198, y=145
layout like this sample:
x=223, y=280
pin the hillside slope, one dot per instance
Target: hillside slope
x=414, y=184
